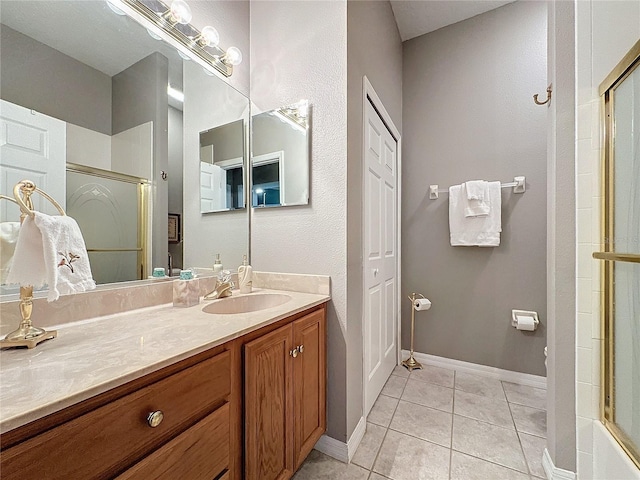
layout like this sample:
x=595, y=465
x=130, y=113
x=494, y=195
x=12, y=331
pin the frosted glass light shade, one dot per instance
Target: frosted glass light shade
x=180, y=12
x=209, y=37
x=232, y=57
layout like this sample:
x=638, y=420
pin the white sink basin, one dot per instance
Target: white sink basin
x=248, y=303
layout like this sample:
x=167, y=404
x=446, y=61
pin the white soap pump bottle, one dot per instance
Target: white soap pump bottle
x=245, y=276
x=217, y=265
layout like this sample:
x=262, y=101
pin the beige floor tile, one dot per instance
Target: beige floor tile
x=400, y=371
x=394, y=386
x=478, y=385
x=533, y=450
x=490, y=442
x=429, y=395
x=487, y=409
x=407, y=458
x=423, y=422
x=369, y=446
x=465, y=467
x=382, y=410
x=529, y=420
x=525, y=395
x=437, y=375
x=377, y=476
x=319, y=466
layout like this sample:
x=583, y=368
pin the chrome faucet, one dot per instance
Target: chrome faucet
x=223, y=286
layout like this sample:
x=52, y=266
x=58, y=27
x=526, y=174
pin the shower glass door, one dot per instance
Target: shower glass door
x=621, y=252
x=100, y=201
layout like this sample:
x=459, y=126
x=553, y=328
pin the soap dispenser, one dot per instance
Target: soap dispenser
x=217, y=265
x=245, y=276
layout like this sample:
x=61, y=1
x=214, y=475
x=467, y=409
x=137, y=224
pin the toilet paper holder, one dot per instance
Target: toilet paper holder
x=524, y=314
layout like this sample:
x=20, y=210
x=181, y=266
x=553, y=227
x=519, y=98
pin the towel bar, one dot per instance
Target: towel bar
x=518, y=185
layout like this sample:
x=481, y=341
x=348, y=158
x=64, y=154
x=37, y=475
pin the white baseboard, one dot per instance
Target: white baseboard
x=340, y=450
x=491, y=372
x=552, y=472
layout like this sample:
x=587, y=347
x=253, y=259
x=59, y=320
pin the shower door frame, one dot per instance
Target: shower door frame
x=625, y=67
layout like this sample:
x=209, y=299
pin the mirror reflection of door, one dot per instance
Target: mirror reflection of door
x=221, y=168
x=277, y=135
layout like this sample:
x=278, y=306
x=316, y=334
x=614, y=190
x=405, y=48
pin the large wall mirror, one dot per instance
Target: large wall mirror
x=280, y=156
x=110, y=122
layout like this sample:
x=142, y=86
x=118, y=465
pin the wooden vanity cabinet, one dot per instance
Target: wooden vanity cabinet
x=284, y=396
x=106, y=435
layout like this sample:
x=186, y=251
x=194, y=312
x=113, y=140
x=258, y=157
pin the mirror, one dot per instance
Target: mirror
x=280, y=156
x=107, y=120
x=222, y=168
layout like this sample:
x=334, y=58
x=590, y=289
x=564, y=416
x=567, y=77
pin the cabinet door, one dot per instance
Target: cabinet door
x=309, y=373
x=268, y=406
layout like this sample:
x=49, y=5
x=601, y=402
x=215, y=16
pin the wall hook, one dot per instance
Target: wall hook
x=537, y=102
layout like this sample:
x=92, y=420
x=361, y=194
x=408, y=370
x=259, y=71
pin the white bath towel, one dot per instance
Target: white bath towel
x=51, y=250
x=475, y=231
x=8, y=239
x=476, y=198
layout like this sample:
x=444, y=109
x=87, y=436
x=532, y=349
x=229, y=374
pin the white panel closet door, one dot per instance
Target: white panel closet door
x=32, y=147
x=380, y=259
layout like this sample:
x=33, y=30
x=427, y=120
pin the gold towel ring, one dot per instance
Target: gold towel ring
x=11, y=199
x=537, y=102
x=27, y=187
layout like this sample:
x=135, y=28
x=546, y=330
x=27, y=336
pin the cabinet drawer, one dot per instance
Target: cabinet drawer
x=108, y=439
x=202, y=452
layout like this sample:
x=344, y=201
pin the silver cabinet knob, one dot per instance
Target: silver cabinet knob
x=375, y=272
x=294, y=352
x=301, y=348
x=155, y=418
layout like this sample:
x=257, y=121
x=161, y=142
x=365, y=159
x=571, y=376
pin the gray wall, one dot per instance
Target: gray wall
x=374, y=49
x=139, y=96
x=468, y=114
x=175, y=176
x=227, y=141
x=38, y=77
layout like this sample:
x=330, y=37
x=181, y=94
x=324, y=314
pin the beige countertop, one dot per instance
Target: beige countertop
x=92, y=356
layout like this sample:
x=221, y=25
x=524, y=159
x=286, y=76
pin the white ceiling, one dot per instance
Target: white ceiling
x=417, y=17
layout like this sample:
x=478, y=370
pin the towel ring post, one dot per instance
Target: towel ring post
x=26, y=335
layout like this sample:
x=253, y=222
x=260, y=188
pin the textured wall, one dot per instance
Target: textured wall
x=372, y=35
x=298, y=50
x=468, y=114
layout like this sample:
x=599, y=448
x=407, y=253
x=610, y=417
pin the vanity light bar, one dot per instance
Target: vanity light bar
x=176, y=34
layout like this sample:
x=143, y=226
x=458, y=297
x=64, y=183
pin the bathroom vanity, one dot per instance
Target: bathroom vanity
x=224, y=397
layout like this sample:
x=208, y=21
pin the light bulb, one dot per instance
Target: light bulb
x=115, y=9
x=232, y=57
x=179, y=12
x=209, y=37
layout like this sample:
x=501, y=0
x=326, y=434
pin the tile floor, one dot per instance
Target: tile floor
x=439, y=424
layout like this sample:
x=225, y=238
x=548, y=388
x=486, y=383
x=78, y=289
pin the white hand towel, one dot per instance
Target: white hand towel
x=8, y=239
x=476, y=198
x=475, y=231
x=51, y=250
